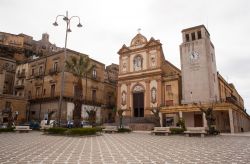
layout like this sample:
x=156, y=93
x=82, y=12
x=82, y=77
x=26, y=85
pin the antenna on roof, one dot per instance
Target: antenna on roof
x=139, y=30
x=207, y=22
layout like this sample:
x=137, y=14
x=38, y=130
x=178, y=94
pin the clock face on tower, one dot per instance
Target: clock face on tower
x=194, y=56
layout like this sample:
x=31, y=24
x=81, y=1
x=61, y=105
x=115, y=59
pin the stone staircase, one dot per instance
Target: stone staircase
x=138, y=123
x=141, y=126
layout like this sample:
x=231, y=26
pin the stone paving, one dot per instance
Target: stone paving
x=34, y=147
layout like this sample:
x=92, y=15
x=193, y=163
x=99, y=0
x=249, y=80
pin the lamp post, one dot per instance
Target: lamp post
x=67, y=20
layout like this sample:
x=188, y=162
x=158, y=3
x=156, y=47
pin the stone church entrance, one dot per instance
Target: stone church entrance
x=138, y=104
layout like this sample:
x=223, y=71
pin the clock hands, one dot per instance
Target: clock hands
x=193, y=55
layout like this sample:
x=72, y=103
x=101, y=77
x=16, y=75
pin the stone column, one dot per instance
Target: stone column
x=204, y=120
x=161, y=121
x=148, y=59
x=231, y=120
x=119, y=96
x=128, y=97
x=159, y=92
x=180, y=114
x=2, y=76
x=147, y=92
x=128, y=69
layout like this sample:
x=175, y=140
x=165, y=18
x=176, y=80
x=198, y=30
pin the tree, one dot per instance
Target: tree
x=120, y=112
x=210, y=118
x=91, y=116
x=156, y=111
x=80, y=69
x=49, y=116
x=10, y=118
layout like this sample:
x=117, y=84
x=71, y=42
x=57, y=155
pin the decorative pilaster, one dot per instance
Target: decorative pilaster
x=118, y=96
x=147, y=92
x=159, y=102
x=161, y=121
x=180, y=114
x=148, y=59
x=128, y=62
x=128, y=96
x=204, y=120
x=231, y=120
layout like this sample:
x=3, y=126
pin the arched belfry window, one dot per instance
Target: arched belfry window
x=138, y=63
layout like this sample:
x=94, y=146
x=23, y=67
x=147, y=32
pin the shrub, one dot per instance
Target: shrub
x=56, y=130
x=82, y=131
x=99, y=129
x=124, y=130
x=181, y=123
x=73, y=131
x=176, y=130
x=6, y=130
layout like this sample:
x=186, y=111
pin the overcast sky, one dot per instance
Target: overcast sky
x=108, y=24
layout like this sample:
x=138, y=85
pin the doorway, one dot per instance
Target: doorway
x=138, y=104
x=198, y=120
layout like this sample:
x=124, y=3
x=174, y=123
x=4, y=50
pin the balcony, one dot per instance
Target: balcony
x=21, y=75
x=110, y=106
x=53, y=71
x=38, y=74
x=38, y=83
x=39, y=98
x=96, y=78
x=6, y=110
x=19, y=86
x=234, y=101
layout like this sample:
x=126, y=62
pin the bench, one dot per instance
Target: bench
x=161, y=130
x=110, y=129
x=195, y=131
x=22, y=129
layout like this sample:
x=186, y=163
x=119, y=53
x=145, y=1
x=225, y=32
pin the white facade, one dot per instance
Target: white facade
x=198, y=66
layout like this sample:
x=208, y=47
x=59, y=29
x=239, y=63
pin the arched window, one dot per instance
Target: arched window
x=138, y=63
x=94, y=73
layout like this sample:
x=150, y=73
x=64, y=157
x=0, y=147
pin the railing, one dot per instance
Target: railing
x=6, y=110
x=110, y=106
x=21, y=75
x=234, y=101
x=38, y=74
x=19, y=86
x=48, y=97
x=96, y=78
x=53, y=71
x=37, y=83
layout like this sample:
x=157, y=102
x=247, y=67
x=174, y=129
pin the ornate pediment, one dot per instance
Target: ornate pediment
x=138, y=88
x=138, y=40
x=153, y=42
x=53, y=81
x=123, y=49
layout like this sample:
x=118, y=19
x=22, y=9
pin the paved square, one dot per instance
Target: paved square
x=34, y=147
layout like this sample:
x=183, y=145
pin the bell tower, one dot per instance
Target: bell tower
x=198, y=66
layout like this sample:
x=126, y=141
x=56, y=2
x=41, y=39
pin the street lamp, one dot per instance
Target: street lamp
x=67, y=20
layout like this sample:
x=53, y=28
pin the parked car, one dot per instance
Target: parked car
x=70, y=124
x=44, y=124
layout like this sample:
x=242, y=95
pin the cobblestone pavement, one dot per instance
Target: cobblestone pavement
x=34, y=147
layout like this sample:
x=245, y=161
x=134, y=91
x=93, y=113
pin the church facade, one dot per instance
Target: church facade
x=147, y=81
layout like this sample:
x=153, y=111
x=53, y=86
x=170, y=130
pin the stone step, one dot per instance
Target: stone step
x=141, y=126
